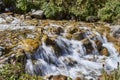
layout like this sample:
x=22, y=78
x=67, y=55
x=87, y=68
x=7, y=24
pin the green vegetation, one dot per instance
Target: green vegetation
x=114, y=75
x=16, y=72
x=111, y=11
x=105, y=10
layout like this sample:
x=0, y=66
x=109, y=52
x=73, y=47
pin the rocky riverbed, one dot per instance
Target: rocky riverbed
x=56, y=49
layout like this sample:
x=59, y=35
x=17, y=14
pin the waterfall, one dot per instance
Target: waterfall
x=72, y=57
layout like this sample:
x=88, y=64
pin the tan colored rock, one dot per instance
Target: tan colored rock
x=78, y=78
x=30, y=45
x=68, y=36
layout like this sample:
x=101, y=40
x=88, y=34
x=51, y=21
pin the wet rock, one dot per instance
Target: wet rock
x=88, y=46
x=37, y=14
x=78, y=36
x=104, y=51
x=1, y=50
x=59, y=30
x=58, y=77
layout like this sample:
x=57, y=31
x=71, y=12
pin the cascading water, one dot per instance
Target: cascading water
x=72, y=58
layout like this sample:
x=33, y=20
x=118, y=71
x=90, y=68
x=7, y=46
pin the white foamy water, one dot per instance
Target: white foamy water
x=14, y=24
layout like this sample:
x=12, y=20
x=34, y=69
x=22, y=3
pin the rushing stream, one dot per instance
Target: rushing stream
x=71, y=57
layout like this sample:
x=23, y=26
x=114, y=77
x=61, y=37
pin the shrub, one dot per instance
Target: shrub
x=53, y=9
x=111, y=11
x=21, y=6
x=24, y=6
x=86, y=8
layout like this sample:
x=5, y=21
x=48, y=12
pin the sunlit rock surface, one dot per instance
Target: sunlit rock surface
x=59, y=48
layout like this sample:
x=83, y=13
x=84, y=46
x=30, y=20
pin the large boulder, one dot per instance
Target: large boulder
x=37, y=14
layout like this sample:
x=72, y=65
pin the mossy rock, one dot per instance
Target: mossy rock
x=30, y=45
x=78, y=36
